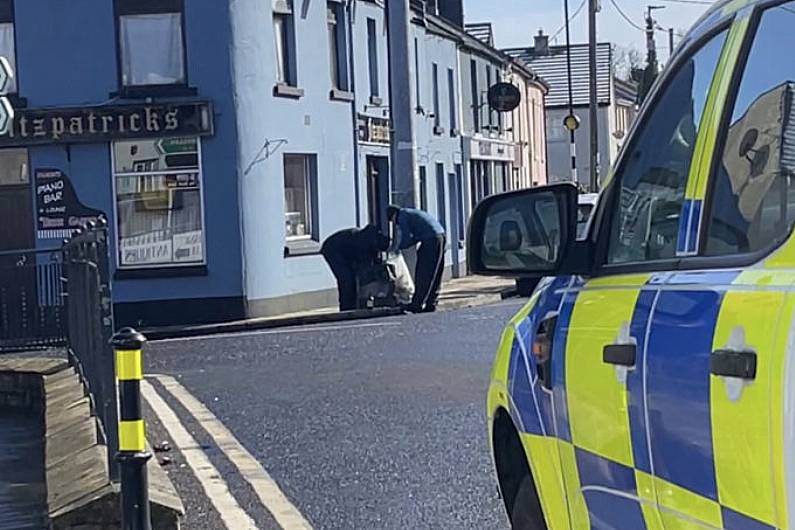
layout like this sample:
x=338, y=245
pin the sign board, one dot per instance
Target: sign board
x=6, y=110
x=374, y=130
x=504, y=97
x=59, y=212
x=171, y=146
x=113, y=122
x=485, y=149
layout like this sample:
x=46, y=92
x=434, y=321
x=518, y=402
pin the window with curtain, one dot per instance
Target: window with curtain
x=159, y=202
x=300, y=197
x=284, y=42
x=151, y=42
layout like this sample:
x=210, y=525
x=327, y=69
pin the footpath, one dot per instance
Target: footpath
x=459, y=293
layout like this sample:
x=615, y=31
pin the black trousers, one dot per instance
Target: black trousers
x=428, y=275
x=344, y=270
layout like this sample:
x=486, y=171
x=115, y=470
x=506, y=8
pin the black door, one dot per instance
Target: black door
x=377, y=189
x=16, y=218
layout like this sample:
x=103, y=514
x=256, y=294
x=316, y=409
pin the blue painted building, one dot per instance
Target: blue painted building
x=134, y=111
x=223, y=140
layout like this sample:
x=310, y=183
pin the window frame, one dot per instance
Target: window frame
x=342, y=83
x=151, y=7
x=437, y=111
x=598, y=237
x=311, y=179
x=373, y=59
x=738, y=259
x=116, y=224
x=285, y=11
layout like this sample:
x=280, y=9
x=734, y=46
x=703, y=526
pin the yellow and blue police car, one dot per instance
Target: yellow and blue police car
x=649, y=383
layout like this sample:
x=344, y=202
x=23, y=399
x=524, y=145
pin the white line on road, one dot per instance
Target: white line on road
x=301, y=329
x=272, y=498
x=214, y=486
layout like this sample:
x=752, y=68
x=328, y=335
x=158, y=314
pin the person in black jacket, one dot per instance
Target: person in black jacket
x=347, y=251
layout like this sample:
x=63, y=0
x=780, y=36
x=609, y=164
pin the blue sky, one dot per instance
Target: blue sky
x=516, y=21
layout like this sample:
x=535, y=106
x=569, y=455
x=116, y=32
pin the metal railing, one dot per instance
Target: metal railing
x=89, y=317
x=32, y=312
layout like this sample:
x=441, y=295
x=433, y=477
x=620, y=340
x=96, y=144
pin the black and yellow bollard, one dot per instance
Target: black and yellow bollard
x=132, y=455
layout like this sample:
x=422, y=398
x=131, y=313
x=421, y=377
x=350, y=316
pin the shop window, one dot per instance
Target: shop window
x=284, y=35
x=151, y=42
x=372, y=50
x=300, y=197
x=14, y=167
x=8, y=41
x=159, y=212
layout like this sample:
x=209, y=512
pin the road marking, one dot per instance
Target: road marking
x=272, y=498
x=301, y=329
x=214, y=486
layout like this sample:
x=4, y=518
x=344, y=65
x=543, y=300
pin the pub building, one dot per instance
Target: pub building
x=132, y=118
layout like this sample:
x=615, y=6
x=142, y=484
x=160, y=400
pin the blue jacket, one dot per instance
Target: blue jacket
x=415, y=226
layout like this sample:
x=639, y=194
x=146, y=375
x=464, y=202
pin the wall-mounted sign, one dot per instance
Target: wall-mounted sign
x=373, y=130
x=101, y=124
x=484, y=149
x=58, y=210
x=504, y=97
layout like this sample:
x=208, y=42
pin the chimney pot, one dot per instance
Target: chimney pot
x=541, y=45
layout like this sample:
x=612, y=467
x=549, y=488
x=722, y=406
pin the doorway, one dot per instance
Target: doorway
x=377, y=190
x=16, y=201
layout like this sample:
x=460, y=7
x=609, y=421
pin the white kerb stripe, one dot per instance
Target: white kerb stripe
x=272, y=498
x=217, y=491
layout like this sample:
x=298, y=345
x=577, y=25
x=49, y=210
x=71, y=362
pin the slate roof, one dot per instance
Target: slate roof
x=552, y=69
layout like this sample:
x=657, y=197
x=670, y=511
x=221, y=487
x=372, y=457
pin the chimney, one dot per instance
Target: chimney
x=541, y=46
x=452, y=11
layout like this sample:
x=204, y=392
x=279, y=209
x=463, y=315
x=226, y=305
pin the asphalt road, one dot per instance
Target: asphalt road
x=368, y=425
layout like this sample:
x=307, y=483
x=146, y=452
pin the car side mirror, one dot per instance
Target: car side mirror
x=525, y=233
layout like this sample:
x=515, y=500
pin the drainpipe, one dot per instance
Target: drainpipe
x=350, y=7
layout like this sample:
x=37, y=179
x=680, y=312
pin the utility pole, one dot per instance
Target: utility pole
x=652, y=69
x=400, y=106
x=571, y=123
x=593, y=7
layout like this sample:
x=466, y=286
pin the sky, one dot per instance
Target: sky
x=516, y=21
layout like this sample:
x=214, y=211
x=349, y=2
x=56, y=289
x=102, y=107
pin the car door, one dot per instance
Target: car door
x=720, y=336
x=599, y=388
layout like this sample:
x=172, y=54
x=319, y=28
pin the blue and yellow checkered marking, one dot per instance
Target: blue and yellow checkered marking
x=605, y=485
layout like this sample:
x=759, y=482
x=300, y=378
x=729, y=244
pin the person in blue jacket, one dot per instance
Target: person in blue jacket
x=416, y=227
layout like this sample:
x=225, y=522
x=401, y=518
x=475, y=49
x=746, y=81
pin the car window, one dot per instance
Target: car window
x=583, y=214
x=652, y=179
x=753, y=197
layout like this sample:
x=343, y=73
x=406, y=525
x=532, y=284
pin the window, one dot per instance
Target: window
x=151, y=42
x=459, y=190
x=452, y=99
x=14, y=167
x=488, y=86
x=372, y=49
x=284, y=35
x=441, y=199
x=423, y=189
x=300, y=197
x=437, y=119
x=418, y=86
x=159, y=209
x=753, y=199
x=651, y=183
x=473, y=72
x=338, y=56
x=7, y=40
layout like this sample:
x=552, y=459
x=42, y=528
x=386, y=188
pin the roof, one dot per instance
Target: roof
x=552, y=68
x=626, y=90
x=481, y=31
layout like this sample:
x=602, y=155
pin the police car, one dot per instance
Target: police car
x=649, y=383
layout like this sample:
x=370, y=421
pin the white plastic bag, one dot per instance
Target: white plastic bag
x=404, y=284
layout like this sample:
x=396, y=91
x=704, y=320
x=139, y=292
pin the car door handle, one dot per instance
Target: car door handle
x=730, y=363
x=620, y=354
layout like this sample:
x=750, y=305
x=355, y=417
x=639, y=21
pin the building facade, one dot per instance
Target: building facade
x=223, y=159
x=617, y=106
